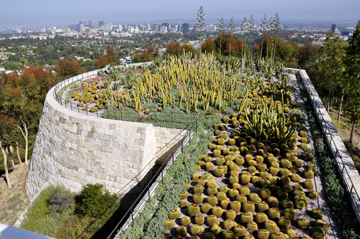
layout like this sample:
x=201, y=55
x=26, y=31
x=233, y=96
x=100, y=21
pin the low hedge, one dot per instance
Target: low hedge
x=338, y=197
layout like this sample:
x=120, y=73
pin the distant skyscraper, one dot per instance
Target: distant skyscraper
x=156, y=27
x=81, y=26
x=194, y=28
x=85, y=23
x=167, y=25
x=101, y=23
x=148, y=27
x=333, y=27
x=186, y=27
x=180, y=27
x=90, y=24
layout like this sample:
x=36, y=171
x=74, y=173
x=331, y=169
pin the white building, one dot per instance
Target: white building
x=210, y=28
x=163, y=29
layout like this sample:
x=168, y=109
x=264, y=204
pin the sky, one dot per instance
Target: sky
x=63, y=12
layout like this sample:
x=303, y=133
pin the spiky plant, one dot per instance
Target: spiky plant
x=228, y=224
x=211, y=220
x=302, y=223
x=193, y=209
x=289, y=213
x=284, y=223
x=199, y=219
x=316, y=213
x=262, y=234
x=322, y=224
x=195, y=229
x=239, y=230
x=181, y=231
x=217, y=211
x=182, y=195
x=168, y=224
x=183, y=203
x=246, y=217
x=185, y=221
x=205, y=208
x=173, y=214
x=273, y=213
x=212, y=200
x=248, y=206
x=198, y=188
x=271, y=226
x=215, y=229
x=317, y=232
x=261, y=217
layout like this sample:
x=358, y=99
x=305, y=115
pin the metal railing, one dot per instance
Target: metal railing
x=149, y=190
x=326, y=126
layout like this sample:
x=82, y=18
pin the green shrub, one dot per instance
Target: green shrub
x=94, y=201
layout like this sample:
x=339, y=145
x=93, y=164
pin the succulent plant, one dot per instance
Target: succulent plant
x=195, y=229
x=209, y=166
x=284, y=223
x=217, y=211
x=261, y=217
x=183, y=203
x=233, y=193
x=285, y=163
x=265, y=193
x=285, y=180
x=220, y=161
x=244, y=190
x=308, y=184
x=262, y=234
x=183, y=195
x=248, y=206
x=291, y=233
x=209, y=235
x=245, y=178
x=273, y=213
x=211, y=220
x=288, y=212
x=210, y=182
x=224, y=203
x=212, y=190
x=193, y=209
x=287, y=204
x=207, y=159
x=277, y=235
x=173, y=214
x=230, y=214
x=317, y=232
x=300, y=203
x=255, y=179
x=239, y=230
x=199, y=219
x=252, y=226
x=254, y=197
x=195, y=177
x=272, y=201
x=233, y=179
x=205, y=208
x=306, y=156
x=185, y=221
x=311, y=166
x=239, y=161
x=228, y=224
x=295, y=177
x=187, y=186
x=246, y=217
x=215, y=229
x=212, y=200
x=227, y=234
x=219, y=172
x=308, y=174
x=322, y=224
x=302, y=223
x=181, y=231
x=197, y=167
x=202, y=181
x=298, y=163
x=316, y=213
x=198, y=188
x=216, y=153
x=264, y=183
x=168, y=224
x=221, y=195
x=264, y=175
x=273, y=171
x=271, y=226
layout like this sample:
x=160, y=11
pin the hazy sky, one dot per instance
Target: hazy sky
x=48, y=12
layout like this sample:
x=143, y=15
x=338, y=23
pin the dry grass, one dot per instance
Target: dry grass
x=14, y=200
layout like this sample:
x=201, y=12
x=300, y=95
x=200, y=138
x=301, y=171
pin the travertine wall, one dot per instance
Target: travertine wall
x=73, y=149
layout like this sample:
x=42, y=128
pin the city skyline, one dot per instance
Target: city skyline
x=66, y=12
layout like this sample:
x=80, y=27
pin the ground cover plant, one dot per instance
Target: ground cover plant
x=58, y=213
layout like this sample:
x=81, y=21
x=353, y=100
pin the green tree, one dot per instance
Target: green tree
x=352, y=63
x=331, y=65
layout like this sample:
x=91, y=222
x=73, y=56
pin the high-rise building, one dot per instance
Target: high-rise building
x=180, y=27
x=90, y=24
x=194, y=28
x=186, y=27
x=85, y=23
x=333, y=27
x=81, y=28
x=211, y=28
x=167, y=25
x=156, y=27
x=163, y=29
x=148, y=27
x=101, y=23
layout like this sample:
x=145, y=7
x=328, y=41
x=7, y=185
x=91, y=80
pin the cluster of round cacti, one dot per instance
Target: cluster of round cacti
x=262, y=185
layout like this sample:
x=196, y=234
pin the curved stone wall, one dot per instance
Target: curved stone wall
x=73, y=149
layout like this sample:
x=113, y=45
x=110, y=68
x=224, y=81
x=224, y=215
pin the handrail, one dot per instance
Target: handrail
x=150, y=188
